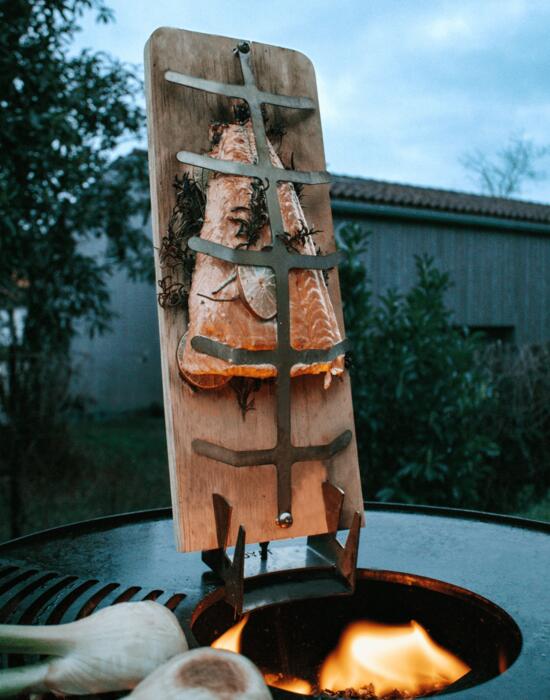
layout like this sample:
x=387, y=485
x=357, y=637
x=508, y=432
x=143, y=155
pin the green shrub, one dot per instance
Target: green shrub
x=520, y=423
x=418, y=391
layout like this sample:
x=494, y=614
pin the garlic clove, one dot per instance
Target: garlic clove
x=204, y=674
x=113, y=649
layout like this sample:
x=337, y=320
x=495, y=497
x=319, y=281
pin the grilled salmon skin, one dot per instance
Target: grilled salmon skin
x=216, y=306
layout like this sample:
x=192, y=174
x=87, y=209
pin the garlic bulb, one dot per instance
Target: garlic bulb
x=113, y=649
x=204, y=674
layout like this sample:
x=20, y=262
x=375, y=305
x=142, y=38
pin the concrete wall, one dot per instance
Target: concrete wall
x=120, y=371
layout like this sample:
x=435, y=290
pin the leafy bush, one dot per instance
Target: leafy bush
x=418, y=391
x=520, y=423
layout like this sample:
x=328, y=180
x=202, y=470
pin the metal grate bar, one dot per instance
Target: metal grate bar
x=263, y=258
x=35, y=602
x=19, y=592
x=102, y=599
x=14, y=578
x=260, y=171
x=239, y=91
x=258, y=458
x=65, y=606
x=4, y=571
x=75, y=607
x=281, y=260
x=63, y=594
x=240, y=356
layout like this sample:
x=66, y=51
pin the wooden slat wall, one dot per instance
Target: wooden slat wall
x=500, y=279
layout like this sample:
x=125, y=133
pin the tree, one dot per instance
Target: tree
x=506, y=173
x=61, y=118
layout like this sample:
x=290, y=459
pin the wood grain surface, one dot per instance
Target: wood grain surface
x=178, y=119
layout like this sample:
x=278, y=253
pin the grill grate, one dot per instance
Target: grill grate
x=29, y=596
x=34, y=597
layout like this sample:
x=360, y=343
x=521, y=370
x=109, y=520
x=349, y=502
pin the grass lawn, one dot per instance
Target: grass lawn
x=115, y=466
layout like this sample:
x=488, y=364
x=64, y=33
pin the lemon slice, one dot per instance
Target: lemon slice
x=200, y=381
x=258, y=290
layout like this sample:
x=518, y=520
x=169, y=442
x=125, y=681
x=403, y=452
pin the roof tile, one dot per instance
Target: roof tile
x=392, y=193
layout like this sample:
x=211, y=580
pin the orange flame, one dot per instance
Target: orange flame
x=296, y=685
x=231, y=640
x=390, y=657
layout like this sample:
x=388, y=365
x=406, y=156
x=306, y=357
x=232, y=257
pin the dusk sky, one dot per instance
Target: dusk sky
x=406, y=86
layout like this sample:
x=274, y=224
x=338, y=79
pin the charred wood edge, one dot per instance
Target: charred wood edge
x=281, y=260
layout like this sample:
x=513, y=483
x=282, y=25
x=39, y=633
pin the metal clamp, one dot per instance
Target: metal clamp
x=231, y=572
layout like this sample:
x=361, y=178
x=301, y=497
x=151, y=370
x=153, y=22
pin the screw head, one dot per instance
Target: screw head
x=285, y=520
x=243, y=46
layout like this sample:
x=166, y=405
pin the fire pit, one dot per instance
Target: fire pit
x=477, y=583
x=289, y=642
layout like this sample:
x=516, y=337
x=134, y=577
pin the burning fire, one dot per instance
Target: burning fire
x=231, y=640
x=370, y=655
x=390, y=657
x=296, y=685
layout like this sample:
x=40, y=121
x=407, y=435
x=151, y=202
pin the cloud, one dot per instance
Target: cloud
x=450, y=28
x=405, y=87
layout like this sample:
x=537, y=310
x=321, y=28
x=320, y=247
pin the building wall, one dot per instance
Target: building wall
x=500, y=280
x=120, y=371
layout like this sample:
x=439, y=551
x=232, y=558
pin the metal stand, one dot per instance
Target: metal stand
x=231, y=572
x=330, y=567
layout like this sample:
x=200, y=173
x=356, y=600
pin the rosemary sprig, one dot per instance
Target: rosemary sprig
x=174, y=254
x=243, y=387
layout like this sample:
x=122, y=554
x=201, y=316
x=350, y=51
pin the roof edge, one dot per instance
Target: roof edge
x=437, y=190
x=345, y=207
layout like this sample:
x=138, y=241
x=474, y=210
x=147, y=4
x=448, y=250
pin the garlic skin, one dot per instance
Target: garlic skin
x=113, y=649
x=204, y=674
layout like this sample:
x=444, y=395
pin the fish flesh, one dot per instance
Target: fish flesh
x=216, y=308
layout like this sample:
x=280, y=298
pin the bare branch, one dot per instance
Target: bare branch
x=505, y=174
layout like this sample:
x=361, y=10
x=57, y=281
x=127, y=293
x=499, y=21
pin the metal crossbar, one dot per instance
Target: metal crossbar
x=262, y=172
x=244, y=92
x=281, y=260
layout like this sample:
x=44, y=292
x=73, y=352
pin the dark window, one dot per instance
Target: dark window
x=504, y=334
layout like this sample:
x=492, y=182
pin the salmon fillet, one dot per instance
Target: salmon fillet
x=226, y=318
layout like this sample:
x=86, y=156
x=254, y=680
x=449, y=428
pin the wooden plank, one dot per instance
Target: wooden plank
x=178, y=119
